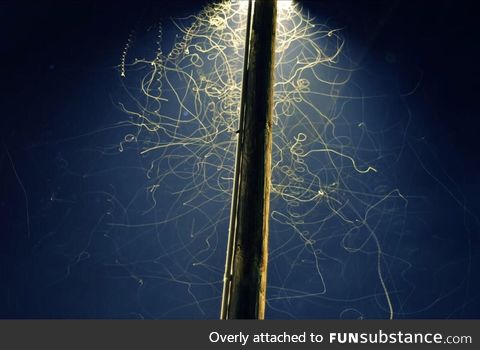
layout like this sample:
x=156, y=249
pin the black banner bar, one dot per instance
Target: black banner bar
x=321, y=334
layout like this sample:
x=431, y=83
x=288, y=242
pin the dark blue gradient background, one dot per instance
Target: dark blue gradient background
x=58, y=88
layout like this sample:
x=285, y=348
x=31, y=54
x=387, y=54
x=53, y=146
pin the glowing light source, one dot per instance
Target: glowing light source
x=284, y=5
x=243, y=5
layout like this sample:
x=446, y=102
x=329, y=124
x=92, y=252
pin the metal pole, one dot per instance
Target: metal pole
x=246, y=292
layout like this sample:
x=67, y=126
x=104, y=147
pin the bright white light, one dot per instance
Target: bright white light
x=284, y=5
x=243, y=5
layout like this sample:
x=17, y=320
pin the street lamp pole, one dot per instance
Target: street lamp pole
x=245, y=279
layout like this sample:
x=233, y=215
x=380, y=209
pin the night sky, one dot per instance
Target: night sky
x=63, y=179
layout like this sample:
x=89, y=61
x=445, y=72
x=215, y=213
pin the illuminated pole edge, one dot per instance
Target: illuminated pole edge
x=227, y=278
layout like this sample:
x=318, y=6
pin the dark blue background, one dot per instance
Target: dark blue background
x=57, y=160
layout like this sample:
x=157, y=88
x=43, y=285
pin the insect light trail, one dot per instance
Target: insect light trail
x=323, y=186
